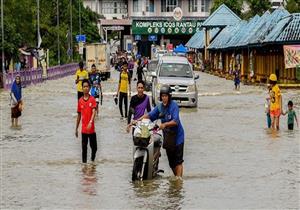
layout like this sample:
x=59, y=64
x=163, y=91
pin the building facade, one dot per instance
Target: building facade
x=144, y=23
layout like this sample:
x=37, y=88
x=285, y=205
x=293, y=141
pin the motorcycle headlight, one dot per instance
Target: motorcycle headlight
x=158, y=86
x=191, y=88
x=149, y=78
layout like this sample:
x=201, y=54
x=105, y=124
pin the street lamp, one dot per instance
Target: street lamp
x=2, y=35
x=58, y=41
x=71, y=32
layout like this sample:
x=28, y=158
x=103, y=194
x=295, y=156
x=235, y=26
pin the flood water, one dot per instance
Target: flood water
x=231, y=159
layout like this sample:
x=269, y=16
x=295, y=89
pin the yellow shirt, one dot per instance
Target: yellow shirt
x=81, y=75
x=275, y=95
x=124, y=82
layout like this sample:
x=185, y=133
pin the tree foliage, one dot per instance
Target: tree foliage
x=20, y=26
x=258, y=7
x=293, y=6
x=234, y=5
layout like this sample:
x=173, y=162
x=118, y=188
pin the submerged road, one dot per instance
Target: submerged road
x=231, y=159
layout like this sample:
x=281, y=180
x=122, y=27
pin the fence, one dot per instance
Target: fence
x=34, y=76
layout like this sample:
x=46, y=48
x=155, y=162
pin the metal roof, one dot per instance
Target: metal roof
x=198, y=40
x=196, y=36
x=278, y=26
x=225, y=36
x=240, y=38
x=267, y=25
x=222, y=17
x=292, y=31
x=277, y=30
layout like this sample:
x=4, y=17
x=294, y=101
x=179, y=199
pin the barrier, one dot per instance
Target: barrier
x=35, y=76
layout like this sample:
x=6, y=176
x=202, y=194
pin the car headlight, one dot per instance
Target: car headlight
x=191, y=88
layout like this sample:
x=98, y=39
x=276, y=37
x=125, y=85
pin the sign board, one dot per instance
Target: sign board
x=113, y=28
x=152, y=38
x=291, y=56
x=80, y=44
x=177, y=13
x=81, y=38
x=137, y=37
x=150, y=27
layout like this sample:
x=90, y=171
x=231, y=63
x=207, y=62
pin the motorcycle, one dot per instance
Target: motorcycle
x=147, y=139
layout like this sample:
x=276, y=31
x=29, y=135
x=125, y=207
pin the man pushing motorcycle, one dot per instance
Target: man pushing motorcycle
x=168, y=113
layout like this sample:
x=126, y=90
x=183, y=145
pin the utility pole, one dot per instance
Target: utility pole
x=2, y=35
x=38, y=23
x=71, y=35
x=80, y=45
x=58, y=41
x=79, y=17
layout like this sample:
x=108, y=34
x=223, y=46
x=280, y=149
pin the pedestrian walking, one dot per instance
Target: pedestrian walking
x=139, y=103
x=237, y=81
x=16, y=101
x=86, y=110
x=96, y=87
x=275, y=102
x=291, y=116
x=140, y=71
x=131, y=67
x=124, y=89
x=80, y=75
x=173, y=132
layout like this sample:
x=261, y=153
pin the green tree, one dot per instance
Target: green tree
x=257, y=7
x=234, y=5
x=293, y=6
x=20, y=26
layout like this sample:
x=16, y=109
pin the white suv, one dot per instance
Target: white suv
x=177, y=72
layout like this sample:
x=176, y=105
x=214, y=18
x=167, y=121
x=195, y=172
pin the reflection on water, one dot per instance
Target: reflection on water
x=231, y=160
x=175, y=194
x=89, y=179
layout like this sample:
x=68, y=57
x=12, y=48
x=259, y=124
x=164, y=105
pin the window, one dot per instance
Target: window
x=149, y=5
x=202, y=5
x=137, y=7
x=114, y=7
x=169, y=5
x=175, y=70
x=207, y=5
x=193, y=5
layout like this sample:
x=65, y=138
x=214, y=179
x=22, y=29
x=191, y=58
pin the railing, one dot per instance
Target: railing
x=34, y=76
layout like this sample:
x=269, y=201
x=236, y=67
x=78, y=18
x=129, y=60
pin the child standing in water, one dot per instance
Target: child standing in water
x=267, y=107
x=291, y=116
x=275, y=102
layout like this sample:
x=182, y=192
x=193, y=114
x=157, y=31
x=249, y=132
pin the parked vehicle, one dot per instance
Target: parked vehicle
x=98, y=54
x=160, y=53
x=177, y=72
x=151, y=68
x=147, y=141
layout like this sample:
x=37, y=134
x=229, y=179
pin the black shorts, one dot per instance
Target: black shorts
x=291, y=126
x=175, y=156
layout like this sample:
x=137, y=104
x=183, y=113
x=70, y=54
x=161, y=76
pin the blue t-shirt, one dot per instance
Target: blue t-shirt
x=169, y=113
